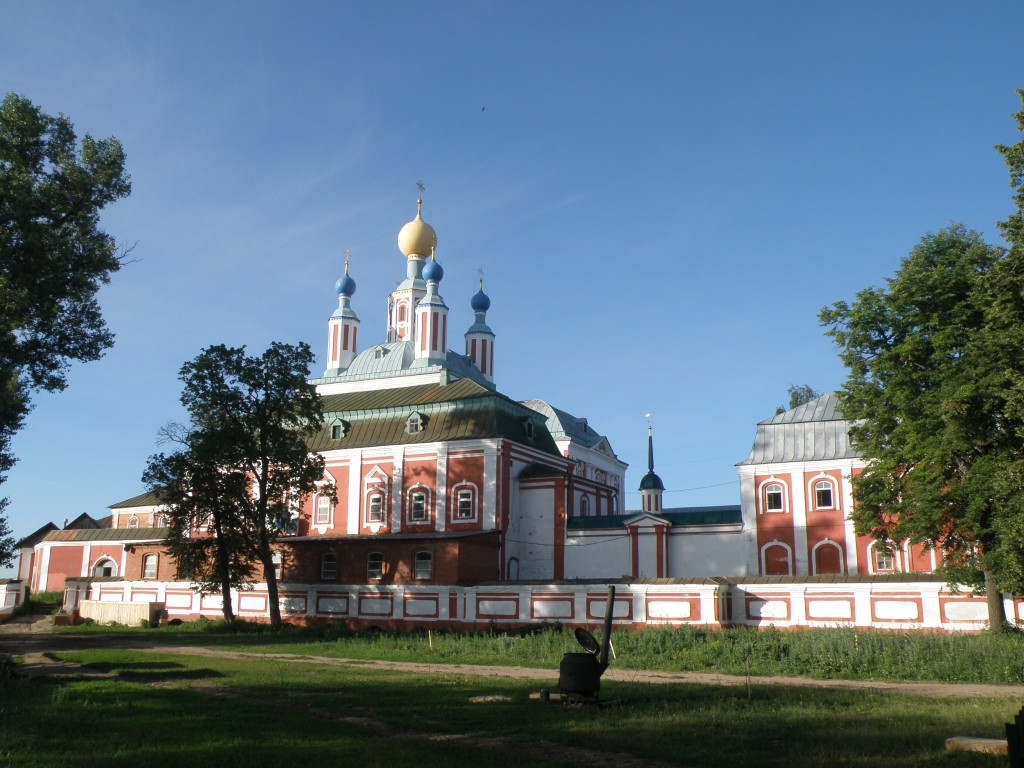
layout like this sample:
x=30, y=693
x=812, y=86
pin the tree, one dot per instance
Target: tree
x=799, y=394
x=246, y=463
x=53, y=256
x=923, y=412
x=200, y=497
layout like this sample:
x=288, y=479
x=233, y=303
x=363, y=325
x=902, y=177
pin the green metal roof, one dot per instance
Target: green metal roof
x=147, y=499
x=462, y=410
x=679, y=517
x=107, y=534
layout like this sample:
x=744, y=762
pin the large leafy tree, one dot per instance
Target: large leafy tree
x=201, y=499
x=921, y=415
x=246, y=465
x=53, y=255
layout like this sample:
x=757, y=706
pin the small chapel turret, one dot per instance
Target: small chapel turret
x=432, y=317
x=343, y=327
x=479, y=337
x=651, y=487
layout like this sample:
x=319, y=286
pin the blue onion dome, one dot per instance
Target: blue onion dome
x=480, y=301
x=432, y=272
x=345, y=286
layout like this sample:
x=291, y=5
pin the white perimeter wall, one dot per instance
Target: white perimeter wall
x=694, y=555
x=597, y=557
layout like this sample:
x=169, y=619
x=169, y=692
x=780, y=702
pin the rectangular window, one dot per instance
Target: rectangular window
x=418, y=508
x=323, y=510
x=376, y=509
x=329, y=567
x=464, y=509
x=884, y=561
x=375, y=566
x=773, y=498
x=823, y=495
x=149, y=567
x=424, y=565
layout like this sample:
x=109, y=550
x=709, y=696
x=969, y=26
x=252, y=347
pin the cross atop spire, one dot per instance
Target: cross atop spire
x=347, y=257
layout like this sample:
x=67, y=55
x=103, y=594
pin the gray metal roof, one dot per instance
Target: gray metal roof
x=399, y=359
x=815, y=431
x=563, y=425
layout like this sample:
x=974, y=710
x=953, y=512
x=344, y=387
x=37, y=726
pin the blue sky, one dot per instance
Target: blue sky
x=662, y=196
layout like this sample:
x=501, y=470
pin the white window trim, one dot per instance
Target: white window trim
x=133, y=522
x=465, y=485
x=99, y=560
x=789, y=556
x=155, y=560
x=762, y=496
x=897, y=559
x=813, y=491
x=427, y=496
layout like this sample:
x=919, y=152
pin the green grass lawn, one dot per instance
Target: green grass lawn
x=178, y=710
x=823, y=653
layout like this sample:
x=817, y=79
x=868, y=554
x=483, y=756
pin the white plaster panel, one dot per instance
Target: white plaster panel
x=375, y=606
x=143, y=597
x=768, y=609
x=292, y=604
x=248, y=603
x=668, y=609
x=421, y=607
x=111, y=596
x=974, y=611
x=332, y=605
x=905, y=610
x=620, y=608
x=179, y=600
x=829, y=609
x=552, y=609
x=498, y=608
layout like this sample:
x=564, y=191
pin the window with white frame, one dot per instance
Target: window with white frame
x=415, y=423
x=465, y=504
x=278, y=563
x=418, y=506
x=323, y=510
x=162, y=521
x=329, y=567
x=884, y=560
x=133, y=522
x=374, y=566
x=149, y=567
x=824, y=494
x=774, y=496
x=424, y=566
x=375, y=511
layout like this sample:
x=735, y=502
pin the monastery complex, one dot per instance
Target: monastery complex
x=455, y=505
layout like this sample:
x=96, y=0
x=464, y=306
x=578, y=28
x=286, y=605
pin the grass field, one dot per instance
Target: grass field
x=186, y=710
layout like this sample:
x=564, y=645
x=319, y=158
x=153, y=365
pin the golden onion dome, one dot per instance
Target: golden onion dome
x=417, y=238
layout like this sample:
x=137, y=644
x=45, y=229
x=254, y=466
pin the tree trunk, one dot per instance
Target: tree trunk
x=224, y=572
x=994, y=598
x=270, y=575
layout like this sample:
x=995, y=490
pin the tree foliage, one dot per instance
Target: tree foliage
x=244, y=463
x=53, y=255
x=936, y=393
x=799, y=394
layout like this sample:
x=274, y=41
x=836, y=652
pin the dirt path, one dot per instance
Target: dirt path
x=33, y=640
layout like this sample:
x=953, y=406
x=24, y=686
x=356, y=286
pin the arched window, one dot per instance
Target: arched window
x=774, y=495
x=104, y=567
x=323, y=510
x=133, y=522
x=401, y=313
x=584, y=506
x=775, y=559
x=162, y=521
x=827, y=558
x=464, y=502
x=149, y=566
x=329, y=567
x=424, y=565
x=418, y=506
x=824, y=495
x=374, y=566
x=884, y=560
